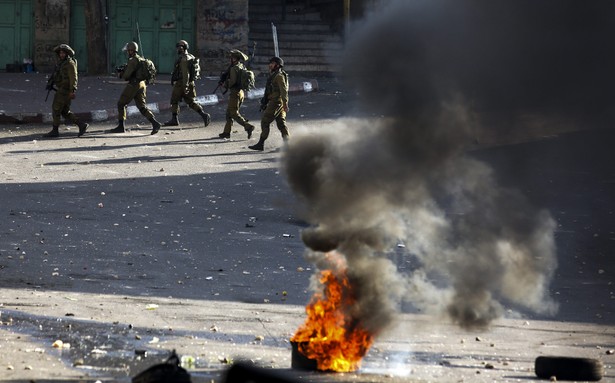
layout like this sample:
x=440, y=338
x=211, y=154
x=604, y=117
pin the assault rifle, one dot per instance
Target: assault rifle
x=223, y=76
x=120, y=68
x=49, y=87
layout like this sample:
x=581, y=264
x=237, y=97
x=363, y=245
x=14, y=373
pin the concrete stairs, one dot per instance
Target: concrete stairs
x=306, y=43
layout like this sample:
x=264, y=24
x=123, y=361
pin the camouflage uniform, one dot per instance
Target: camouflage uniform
x=236, y=96
x=183, y=86
x=134, y=90
x=274, y=104
x=65, y=79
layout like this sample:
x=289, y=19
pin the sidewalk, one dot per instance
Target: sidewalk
x=23, y=96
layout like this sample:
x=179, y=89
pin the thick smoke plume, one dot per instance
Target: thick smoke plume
x=439, y=71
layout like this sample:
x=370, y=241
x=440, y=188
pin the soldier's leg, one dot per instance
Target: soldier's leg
x=176, y=96
x=72, y=117
x=56, y=112
x=268, y=117
x=127, y=95
x=249, y=128
x=140, y=101
x=231, y=110
x=189, y=97
x=280, y=121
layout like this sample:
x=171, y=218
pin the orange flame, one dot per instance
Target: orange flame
x=330, y=335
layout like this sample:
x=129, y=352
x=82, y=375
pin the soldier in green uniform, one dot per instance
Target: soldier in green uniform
x=274, y=103
x=65, y=80
x=134, y=90
x=182, y=80
x=236, y=97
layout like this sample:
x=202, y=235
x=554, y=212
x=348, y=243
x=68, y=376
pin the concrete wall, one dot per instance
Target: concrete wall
x=221, y=25
x=51, y=27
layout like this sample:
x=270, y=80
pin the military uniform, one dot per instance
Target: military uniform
x=65, y=79
x=236, y=95
x=274, y=104
x=183, y=86
x=134, y=90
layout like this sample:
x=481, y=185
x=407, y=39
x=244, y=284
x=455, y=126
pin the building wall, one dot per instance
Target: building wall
x=51, y=27
x=221, y=25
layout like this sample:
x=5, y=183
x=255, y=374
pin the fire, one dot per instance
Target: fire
x=331, y=335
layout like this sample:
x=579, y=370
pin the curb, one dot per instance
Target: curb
x=156, y=108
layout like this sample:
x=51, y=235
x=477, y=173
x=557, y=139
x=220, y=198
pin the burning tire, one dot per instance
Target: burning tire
x=568, y=368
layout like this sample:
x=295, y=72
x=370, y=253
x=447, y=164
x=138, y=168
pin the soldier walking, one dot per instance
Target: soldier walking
x=274, y=103
x=65, y=79
x=135, y=90
x=236, y=96
x=183, y=77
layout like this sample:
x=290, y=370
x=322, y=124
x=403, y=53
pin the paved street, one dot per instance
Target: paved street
x=117, y=243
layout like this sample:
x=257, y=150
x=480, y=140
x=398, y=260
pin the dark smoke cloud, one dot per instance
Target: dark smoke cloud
x=438, y=70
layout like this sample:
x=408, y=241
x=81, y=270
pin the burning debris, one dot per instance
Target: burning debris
x=438, y=71
x=333, y=336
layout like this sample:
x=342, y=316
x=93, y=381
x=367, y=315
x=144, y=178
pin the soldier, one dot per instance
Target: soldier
x=182, y=80
x=274, y=103
x=236, y=97
x=134, y=90
x=65, y=79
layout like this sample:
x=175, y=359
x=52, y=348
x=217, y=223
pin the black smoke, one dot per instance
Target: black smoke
x=441, y=73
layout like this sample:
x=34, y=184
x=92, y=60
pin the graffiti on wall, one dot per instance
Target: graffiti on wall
x=51, y=28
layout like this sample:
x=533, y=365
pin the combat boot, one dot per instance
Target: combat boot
x=119, y=128
x=249, y=129
x=174, y=121
x=260, y=145
x=82, y=128
x=155, y=126
x=53, y=133
x=206, y=118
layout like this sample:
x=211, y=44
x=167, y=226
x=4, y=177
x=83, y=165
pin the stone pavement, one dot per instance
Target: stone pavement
x=23, y=96
x=88, y=223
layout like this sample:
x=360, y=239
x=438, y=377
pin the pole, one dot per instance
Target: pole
x=139, y=38
x=274, y=31
x=346, y=17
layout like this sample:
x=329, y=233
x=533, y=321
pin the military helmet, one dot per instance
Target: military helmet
x=239, y=55
x=182, y=43
x=64, y=47
x=131, y=46
x=277, y=60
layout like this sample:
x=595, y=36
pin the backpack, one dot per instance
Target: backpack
x=194, y=68
x=246, y=79
x=146, y=71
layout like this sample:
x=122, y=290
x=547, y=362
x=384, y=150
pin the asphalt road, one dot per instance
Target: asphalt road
x=183, y=240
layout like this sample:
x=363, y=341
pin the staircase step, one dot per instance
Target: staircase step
x=295, y=27
x=313, y=45
x=305, y=42
x=312, y=36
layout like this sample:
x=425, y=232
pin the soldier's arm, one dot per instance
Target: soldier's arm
x=233, y=77
x=283, y=86
x=131, y=66
x=183, y=66
x=72, y=77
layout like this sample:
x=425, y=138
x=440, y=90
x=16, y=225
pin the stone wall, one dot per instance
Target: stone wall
x=221, y=25
x=51, y=28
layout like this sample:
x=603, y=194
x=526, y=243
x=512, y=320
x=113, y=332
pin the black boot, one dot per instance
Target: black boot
x=53, y=133
x=206, y=118
x=260, y=145
x=155, y=126
x=119, y=128
x=249, y=129
x=82, y=128
x=174, y=121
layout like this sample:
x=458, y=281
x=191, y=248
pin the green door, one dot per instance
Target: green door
x=16, y=32
x=78, y=33
x=156, y=25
